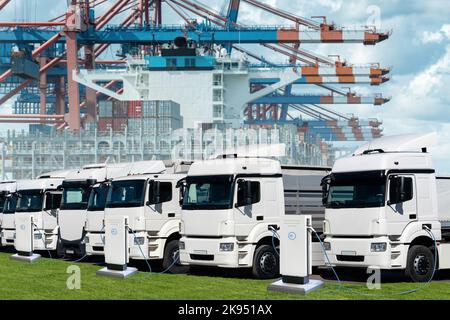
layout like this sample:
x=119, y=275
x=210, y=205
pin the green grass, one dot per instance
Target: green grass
x=46, y=279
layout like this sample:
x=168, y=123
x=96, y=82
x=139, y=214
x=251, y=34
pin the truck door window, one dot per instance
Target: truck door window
x=53, y=201
x=2, y=201
x=165, y=191
x=255, y=192
x=97, y=198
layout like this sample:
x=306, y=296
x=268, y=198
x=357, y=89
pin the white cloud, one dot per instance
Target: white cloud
x=333, y=5
x=438, y=36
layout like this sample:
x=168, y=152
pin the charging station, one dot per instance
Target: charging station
x=24, y=239
x=295, y=257
x=116, y=249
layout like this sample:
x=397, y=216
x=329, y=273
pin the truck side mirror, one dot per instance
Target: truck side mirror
x=182, y=191
x=400, y=189
x=154, y=192
x=325, y=184
x=245, y=197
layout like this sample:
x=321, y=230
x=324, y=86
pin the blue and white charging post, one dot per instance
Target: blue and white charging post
x=116, y=249
x=24, y=239
x=295, y=256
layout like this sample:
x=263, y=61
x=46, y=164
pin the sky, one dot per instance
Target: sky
x=418, y=51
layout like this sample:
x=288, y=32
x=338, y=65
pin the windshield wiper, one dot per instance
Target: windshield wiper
x=337, y=203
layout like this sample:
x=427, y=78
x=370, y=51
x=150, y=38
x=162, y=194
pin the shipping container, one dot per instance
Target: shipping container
x=149, y=109
x=105, y=109
x=105, y=124
x=120, y=109
x=134, y=125
x=119, y=124
x=135, y=109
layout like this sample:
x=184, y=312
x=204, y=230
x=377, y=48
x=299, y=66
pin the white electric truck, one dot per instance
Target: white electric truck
x=94, y=227
x=384, y=206
x=78, y=188
x=40, y=199
x=232, y=205
x=151, y=202
x=8, y=206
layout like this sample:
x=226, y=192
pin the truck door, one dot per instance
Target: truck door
x=159, y=207
x=400, y=214
x=260, y=207
x=52, y=203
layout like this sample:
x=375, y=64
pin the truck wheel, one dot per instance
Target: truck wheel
x=172, y=253
x=420, y=264
x=266, y=264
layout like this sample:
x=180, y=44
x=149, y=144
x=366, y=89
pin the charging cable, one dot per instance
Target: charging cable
x=43, y=239
x=275, y=235
x=341, y=285
x=146, y=260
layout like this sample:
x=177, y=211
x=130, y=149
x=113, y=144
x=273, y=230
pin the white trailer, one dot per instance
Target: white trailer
x=77, y=190
x=8, y=207
x=39, y=199
x=151, y=203
x=230, y=206
x=384, y=206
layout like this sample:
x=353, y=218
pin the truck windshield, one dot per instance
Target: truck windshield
x=10, y=204
x=30, y=201
x=208, y=192
x=75, y=198
x=364, y=189
x=126, y=193
x=97, y=199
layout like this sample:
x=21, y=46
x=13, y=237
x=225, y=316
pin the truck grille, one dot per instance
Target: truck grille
x=203, y=257
x=350, y=258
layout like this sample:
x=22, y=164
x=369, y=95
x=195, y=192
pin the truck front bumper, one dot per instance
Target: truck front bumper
x=45, y=240
x=205, y=252
x=95, y=243
x=356, y=252
x=8, y=236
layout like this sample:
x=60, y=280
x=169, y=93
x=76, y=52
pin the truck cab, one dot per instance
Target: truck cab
x=380, y=202
x=8, y=200
x=232, y=206
x=39, y=198
x=152, y=204
x=95, y=215
x=75, y=219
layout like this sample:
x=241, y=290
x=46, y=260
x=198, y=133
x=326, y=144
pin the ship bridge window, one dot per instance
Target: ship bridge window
x=189, y=62
x=171, y=63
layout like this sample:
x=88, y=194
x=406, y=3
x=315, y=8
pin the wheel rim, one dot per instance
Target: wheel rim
x=268, y=263
x=421, y=265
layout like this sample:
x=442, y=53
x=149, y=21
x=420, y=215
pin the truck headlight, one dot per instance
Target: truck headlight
x=139, y=241
x=86, y=239
x=181, y=245
x=37, y=236
x=227, y=246
x=327, y=246
x=378, y=247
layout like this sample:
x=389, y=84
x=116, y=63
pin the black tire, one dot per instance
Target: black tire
x=420, y=264
x=171, y=252
x=266, y=263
